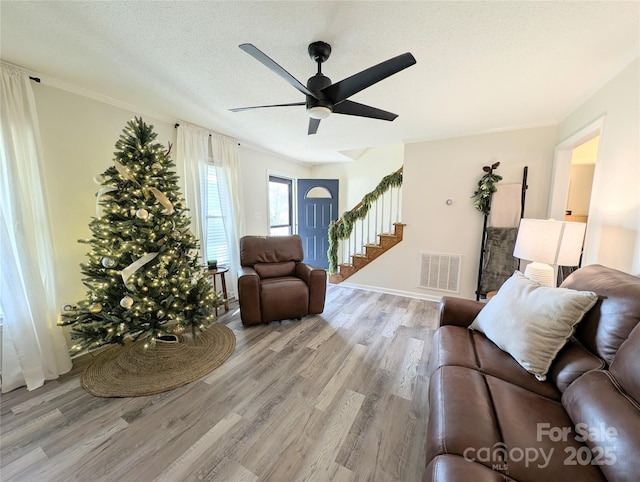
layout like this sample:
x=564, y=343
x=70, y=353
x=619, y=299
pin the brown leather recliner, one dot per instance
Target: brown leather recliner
x=273, y=282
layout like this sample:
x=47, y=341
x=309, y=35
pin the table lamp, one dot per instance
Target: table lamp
x=546, y=243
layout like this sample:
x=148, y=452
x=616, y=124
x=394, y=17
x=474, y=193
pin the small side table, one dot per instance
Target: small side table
x=213, y=273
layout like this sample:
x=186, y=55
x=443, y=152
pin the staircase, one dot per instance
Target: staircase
x=368, y=230
x=386, y=241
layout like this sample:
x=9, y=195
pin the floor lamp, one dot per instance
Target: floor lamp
x=546, y=243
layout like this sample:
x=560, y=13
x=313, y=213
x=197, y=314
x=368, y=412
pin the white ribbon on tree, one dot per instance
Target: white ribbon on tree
x=124, y=171
x=162, y=199
x=104, y=190
x=128, y=272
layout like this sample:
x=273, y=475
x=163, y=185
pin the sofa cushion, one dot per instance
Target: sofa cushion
x=626, y=365
x=501, y=426
x=572, y=361
x=455, y=468
x=283, y=298
x=456, y=346
x=270, y=249
x=275, y=270
x=459, y=413
x=616, y=313
x=532, y=322
x=609, y=419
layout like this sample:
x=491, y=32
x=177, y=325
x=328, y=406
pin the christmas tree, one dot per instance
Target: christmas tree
x=143, y=275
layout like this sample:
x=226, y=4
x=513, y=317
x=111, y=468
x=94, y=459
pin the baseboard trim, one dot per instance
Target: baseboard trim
x=389, y=291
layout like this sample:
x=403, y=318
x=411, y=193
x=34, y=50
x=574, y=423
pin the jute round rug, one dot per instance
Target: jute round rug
x=133, y=371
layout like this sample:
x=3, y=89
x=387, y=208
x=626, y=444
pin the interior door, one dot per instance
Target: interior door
x=317, y=207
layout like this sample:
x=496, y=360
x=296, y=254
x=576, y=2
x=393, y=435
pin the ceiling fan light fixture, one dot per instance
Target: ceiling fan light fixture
x=319, y=112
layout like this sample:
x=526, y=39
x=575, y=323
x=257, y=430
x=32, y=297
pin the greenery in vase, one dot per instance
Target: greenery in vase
x=142, y=275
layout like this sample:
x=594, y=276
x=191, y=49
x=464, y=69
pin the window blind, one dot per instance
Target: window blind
x=217, y=210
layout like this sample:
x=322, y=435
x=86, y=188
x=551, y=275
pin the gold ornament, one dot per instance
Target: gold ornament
x=178, y=329
x=142, y=214
x=126, y=302
x=95, y=307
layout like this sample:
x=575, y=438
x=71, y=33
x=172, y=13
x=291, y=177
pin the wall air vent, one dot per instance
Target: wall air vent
x=440, y=272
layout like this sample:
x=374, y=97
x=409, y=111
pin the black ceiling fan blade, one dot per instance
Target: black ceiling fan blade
x=313, y=125
x=351, y=85
x=274, y=67
x=349, y=107
x=240, y=109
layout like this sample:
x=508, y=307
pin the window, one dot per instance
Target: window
x=217, y=209
x=280, y=206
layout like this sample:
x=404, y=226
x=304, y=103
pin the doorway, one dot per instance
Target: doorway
x=317, y=207
x=583, y=164
x=575, y=176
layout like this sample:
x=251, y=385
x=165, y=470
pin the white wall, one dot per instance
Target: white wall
x=362, y=175
x=613, y=236
x=450, y=169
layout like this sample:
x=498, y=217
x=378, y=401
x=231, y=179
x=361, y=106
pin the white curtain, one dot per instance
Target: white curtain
x=193, y=148
x=192, y=151
x=33, y=346
x=226, y=160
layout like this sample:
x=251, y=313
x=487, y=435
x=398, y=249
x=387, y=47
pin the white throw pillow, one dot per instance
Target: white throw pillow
x=532, y=322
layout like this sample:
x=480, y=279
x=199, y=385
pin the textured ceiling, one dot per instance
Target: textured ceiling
x=481, y=66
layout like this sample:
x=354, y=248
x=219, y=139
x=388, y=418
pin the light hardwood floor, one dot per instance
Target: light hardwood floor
x=336, y=397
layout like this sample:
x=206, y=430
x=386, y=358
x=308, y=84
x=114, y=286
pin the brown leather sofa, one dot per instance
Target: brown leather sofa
x=490, y=420
x=273, y=282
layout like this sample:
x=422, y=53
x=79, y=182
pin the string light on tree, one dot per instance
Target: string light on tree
x=142, y=278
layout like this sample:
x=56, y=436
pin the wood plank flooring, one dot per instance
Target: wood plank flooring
x=337, y=397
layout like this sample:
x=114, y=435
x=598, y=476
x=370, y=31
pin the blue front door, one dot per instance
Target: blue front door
x=317, y=207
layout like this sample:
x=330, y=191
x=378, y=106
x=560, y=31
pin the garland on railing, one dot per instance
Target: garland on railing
x=342, y=228
x=486, y=187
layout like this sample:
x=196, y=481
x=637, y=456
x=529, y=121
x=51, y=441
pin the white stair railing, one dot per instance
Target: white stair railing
x=383, y=213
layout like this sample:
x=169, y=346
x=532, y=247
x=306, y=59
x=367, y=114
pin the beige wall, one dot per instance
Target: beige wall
x=613, y=234
x=581, y=180
x=79, y=134
x=450, y=169
x=78, y=140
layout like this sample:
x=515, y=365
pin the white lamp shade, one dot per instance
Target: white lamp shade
x=550, y=242
x=571, y=244
x=538, y=240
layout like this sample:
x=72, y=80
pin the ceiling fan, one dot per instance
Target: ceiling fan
x=323, y=97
